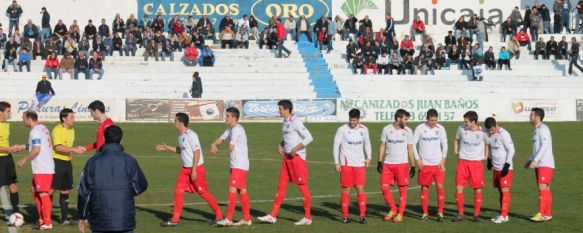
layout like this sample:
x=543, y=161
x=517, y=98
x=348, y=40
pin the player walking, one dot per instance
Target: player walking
x=97, y=109
x=7, y=168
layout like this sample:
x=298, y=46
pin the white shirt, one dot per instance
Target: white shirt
x=189, y=143
x=350, y=146
x=542, y=147
x=501, y=149
x=396, y=142
x=240, y=153
x=471, y=143
x=43, y=163
x=383, y=60
x=432, y=144
x=294, y=132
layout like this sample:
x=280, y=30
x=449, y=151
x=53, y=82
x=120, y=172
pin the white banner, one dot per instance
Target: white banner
x=114, y=108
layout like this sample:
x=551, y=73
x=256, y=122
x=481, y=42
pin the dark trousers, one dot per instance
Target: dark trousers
x=573, y=61
x=280, y=47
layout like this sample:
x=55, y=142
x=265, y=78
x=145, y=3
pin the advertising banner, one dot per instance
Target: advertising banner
x=315, y=110
x=147, y=110
x=50, y=111
x=521, y=107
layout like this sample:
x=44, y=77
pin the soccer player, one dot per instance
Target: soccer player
x=237, y=138
x=471, y=146
x=431, y=139
x=63, y=138
x=192, y=175
x=395, y=153
x=294, y=167
x=351, y=143
x=97, y=109
x=43, y=166
x=543, y=161
x=7, y=168
x=500, y=159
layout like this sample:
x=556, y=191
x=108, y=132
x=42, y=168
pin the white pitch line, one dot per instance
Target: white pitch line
x=6, y=206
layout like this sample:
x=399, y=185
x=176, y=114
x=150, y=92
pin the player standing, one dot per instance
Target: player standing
x=237, y=138
x=63, y=138
x=501, y=154
x=43, y=166
x=192, y=175
x=430, y=158
x=351, y=143
x=294, y=167
x=395, y=153
x=97, y=109
x=7, y=168
x=471, y=146
x=543, y=161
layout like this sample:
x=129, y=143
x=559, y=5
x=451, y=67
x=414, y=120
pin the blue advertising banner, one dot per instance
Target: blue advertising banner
x=263, y=10
x=302, y=108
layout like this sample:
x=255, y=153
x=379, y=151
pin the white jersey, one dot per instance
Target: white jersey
x=542, y=147
x=239, y=155
x=432, y=144
x=189, y=143
x=396, y=142
x=471, y=143
x=351, y=145
x=501, y=149
x=43, y=163
x=294, y=132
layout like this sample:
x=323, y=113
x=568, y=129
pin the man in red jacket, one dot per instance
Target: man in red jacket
x=97, y=109
x=418, y=27
x=281, y=36
x=523, y=38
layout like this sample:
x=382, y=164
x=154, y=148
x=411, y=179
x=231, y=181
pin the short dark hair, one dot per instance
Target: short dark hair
x=97, y=105
x=472, y=116
x=30, y=114
x=234, y=112
x=182, y=118
x=4, y=105
x=354, y=113
x=431, y=113
x=490, y=122
x=400, y=113
x=539, y=112
x=113, y=134
x=286, y=104
x=64, y=113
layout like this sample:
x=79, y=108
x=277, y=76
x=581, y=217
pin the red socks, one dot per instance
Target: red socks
x=231, y=204
x=402, y=199
x=361, y=197
x=505, y=204
x=39, y=209
x=549, y=202
x=440, y=200
x=477, y=203
x=389, y=198
x=212, y=202
x=425, y=200
x=279, y=196
x=344, y=202
x=178, y=204
x=307, y=200
x=245, y=206
x=545, y=202
x=459, y=199
x=46, y=208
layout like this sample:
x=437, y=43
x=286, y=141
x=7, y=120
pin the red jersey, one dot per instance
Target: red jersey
x=100, y=140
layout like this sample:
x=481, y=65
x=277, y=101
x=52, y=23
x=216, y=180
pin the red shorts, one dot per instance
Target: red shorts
x=42, y=182
x=294, y=169
x=238, y=178
x=395, y=172
x=472, y=171
x=184, y=183
x=352, y=176
x=502, y=182
x=544, y=175
x=427, y=174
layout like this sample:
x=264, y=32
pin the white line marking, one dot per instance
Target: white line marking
x=6, y=206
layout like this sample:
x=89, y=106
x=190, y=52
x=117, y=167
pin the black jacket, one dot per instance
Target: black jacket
x=44, y=87
x=46, y=21
x=196, y=87
x=14, y=12
x=109, y=182
x=81, y=64
x=90, y=30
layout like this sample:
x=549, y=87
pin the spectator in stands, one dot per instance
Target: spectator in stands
x=99, y=46
x=454, y=56
x=339, y=25
x=158, y=24
x=357, y=64
x=108, y=42
x=10, y=58
x=70, y=46
x=196, y=38
x=430, y=67
x=208, y=33
x=207, y=57
x=390, y=28
x=320, y=37
x=579, y=21
x=130, y=45
x=90, y=30
x=407, y=65
x=480, y=31
x=242, y=39
x=552, y=48
x=227, y=37
x=173, y=23
x=407, y=47
x=30, y=30
x=290, y=26
x=52, y=66
x=67, y=64
x=449, y=40
x=574, y=56
x=83, y=44
x=366, y=22
x=303, y=27
x=96, y=66
x=17, y=36
x=383, y=64
x=281, y=37
x=461, y=26
x=465, y=58
x=132, y=22
x=350, y=27
x=177, y=28
x=203, y=22
x=118, y=26
x=14, y=12
x=504, y=58
x=419, y=64
x=440, y=58
x=264, y=39
x=103, y=29
x=563, y=48
x=226, y=21
x=50, y=46
x=190, y=24
x=527, y=13
x=428, y=43
x=557, y=23
x=3, y=38
x=117, y=44
x=196, y=87
x=74, y=31
x=167, y=50
x=11, y=43
x=38, y=49
x=330, y=31
x=489, y=59
x=350, y=50
x=417, y=27
x=523, y=38
x=190, y=55
x=546, y=17
x=395, y=63
x=565, y=15
x=25, y=44
x=514, y=48
x=151, y=50
x=540, y=49
x=535, y=21
x=24, y=60
x=81, y=66
x=60, y=29
x=507, y=28
x=394, y=46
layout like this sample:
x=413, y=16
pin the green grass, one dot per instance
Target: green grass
x=161, y=170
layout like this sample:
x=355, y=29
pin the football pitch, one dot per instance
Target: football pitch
x=161, y=168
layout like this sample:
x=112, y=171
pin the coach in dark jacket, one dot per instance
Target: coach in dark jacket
x=109, y=182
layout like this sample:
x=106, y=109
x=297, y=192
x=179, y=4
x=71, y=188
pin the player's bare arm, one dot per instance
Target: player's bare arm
x=214, y=148
x=164, y=147
x=30, y=156
x=195, y=164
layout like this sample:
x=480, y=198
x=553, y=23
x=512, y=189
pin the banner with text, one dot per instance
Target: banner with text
x=313, y=110
x=50, y=111
x=164, y=110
